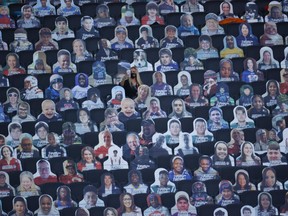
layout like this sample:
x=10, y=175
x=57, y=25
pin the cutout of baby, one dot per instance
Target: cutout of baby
x=44, y=174
x=251, y=13
x=160, y=87
x=66, y=101
x=155, y=206
x=212, y=26
x=167, y=6
x=23, y=113
x=165, y=62
x=128, y=111
x=185, y=146
x=216, y=121
x=191, y=62
x=226, y=195
x=271, y=94
x=251, y=72
x=31, y=89
x=41, y=132
x=39, y=65
x=8, y=162
x=192, y=6
x=99, y=74
x=70, y=173
x=13, y=99
x=27, y=186
x=267, y=60
x=247, y=156
x=227, y=73
x=49, y=113
x=152, y=15
x=269, y=180
x=103, y=17
x=68, y=8
x=241, y=119
x=196, y=97
x=20, y=207
x=258, y=108
x=159, y=146
x=105, y=52
x=44, y=8
x=28, y=20
x=173, y=131
x=53, y=148
x=262, y=141
x=171, y=39
x=200, y=134
x=62, y=30
x=128, y=17
x=226, y=11
x=284, y=144
x=64, y=64
x=20, y=42
x=64, y=198
x=246, y=94
x=210, y=83
x=183, y=85
x=123, y=69
x=121, y=40
x=118, y=94
x=274, y=157
x=282, y=105
x=146, y=39
x=242, y=182
x=12, y=65
x=187, y=27
x=5, y=20
x=246, y=36
x=275, y=13
x=56, y=84
x=220, y=212
x=5, y=188
x=284, y=63
x=90, y=198
x=179, y=109
x=162, y=184
x=115, y=160
x=221, y=157
x=93, y=99
x=205, y=49
x=222, y=96
x=140, y=61
x=270, y=36
x=15, y=131
x=230, y=50
x=142, y=160
x=182, y=205
x=45, y=40
x=80, y=52
x=154, y=109
x=81, y=87
x=87, y=29
x=205, y=171
x=199, y=195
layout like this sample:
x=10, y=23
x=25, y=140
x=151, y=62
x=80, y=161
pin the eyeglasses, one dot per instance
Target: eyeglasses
x=13, y=95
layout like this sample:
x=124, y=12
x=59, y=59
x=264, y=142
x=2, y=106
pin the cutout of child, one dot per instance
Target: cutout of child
x=271, y=94
x=269, y=180
x=5, y=20
x=144, y=93
x=70, y=173
x=6, y=189
x=44, y=174
x=53, y=148
x=128, y=111
x=179, y=109
x=226, y=11
x=103, y=17
x=56, y=84
x=246, y=36
x=66, y=101
x=142, y=160
x=159, y=146
x=199, y=195
x=212, y=26
x=20, y=42
x=200, y=134
x=115, y=160
x=192, y=6
x=183, y=85
x=262, y=141
x=187, y=27
x=162, y=184
x=12, y=65
x=93, y=99
x=226, y=195
x=80, y=52
x=26, y=148
x=88, y=160
x=216, y=121
x=27, y=186
x=196, y=97
x=146, y=39
x=258, y=108
x=210, y=83
x=242, y=182
x=20, y=207
x=15, y=131
x=87, y=29
x=246, y=94
x=191, y=62
x=154, y=109
x=69, y=136
x=8, y=162
x=222, y=97
x=62, y=30
x=182, y=205
x=251, y=72
x=160, y=87
x=221, y=156
x=241, y=119
x=68, y=8
x=90, y=198
x=44, y=8
x=205, y=49
x=27, y=19
x=84, y=123
x=23, y=113
x=64, y=198
x=165, y=62
x=265, y=205
x=45, y=41
x=121, y=40
x=271, y=36
x=64, y=64
x=152, y=15
x=171, y=39
x=251, y=13
x=275, y=13
x=267, y=60
x=173, y=131
x=205, y=171
x=227, y=73
x=247, y=156
x=49, y=113
x=185, y=146
x=39, y=65
x=128, y=17
x=41, y=132
x=31, y=90
x=231, y=50
x=49, y=210
x=140, y=61
x=111, y=121
x=118, y=93
x=81, y=87
x=99, y=74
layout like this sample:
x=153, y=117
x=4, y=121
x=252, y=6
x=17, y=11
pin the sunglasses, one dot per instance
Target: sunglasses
x=13, y=95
